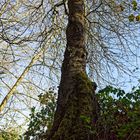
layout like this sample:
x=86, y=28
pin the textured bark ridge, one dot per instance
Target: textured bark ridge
x=75, y=106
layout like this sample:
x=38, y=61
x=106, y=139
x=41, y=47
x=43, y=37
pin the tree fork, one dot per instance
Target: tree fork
x=75, y=95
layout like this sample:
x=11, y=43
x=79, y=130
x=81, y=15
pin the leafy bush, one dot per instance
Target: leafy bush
x=41, y=120
x=118, y=115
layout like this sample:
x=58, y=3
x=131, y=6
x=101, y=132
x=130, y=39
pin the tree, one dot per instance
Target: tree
x=30, y=26
x=76, y=94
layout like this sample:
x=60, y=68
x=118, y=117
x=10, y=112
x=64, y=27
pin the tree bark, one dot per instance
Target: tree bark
x=75, y=106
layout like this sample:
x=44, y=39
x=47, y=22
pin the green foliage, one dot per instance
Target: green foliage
x=131, y=17
x=42, y=119
x=134, y=5
x=133, y=8
x=85, y=119
x=135, y=15
x=138, y=18
x=119, y=114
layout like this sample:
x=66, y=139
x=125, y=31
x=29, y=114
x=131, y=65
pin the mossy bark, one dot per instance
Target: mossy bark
x=75, y=107
x=76, y=123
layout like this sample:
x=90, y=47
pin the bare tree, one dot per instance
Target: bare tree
x=26, y=27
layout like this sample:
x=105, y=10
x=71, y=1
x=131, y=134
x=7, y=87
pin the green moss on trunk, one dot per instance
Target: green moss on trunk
x=77, y=121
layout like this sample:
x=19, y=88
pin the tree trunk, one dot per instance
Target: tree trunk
x=75, y=111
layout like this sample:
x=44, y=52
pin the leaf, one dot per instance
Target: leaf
x=134, y=3
x=134, y=8
x=120, y=93
x=85, y=118
x=129, y=96
x=138, y=18
x=131, y=18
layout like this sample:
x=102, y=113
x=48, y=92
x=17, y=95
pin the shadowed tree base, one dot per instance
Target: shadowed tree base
x=77, y=120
